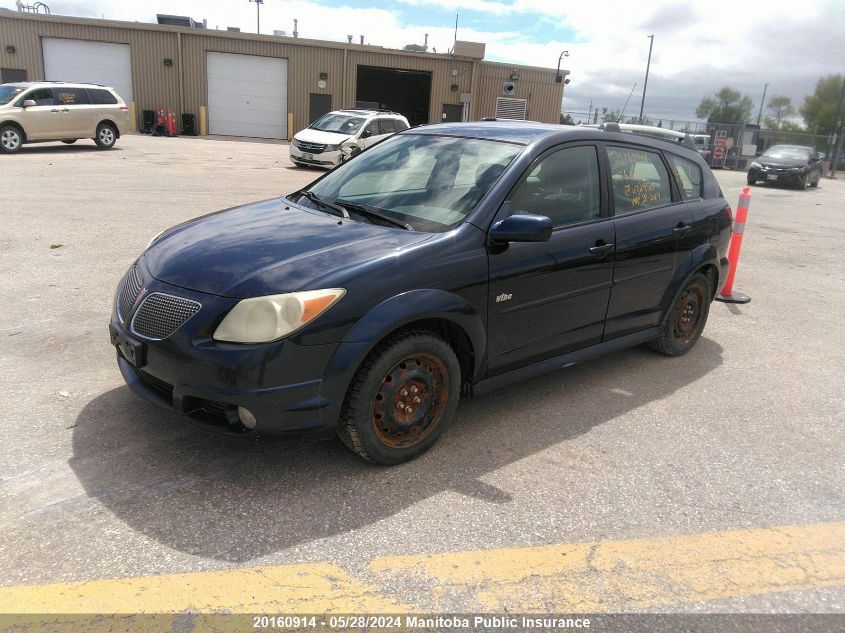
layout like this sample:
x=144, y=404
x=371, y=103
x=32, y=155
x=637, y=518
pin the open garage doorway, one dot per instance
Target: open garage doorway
x=405, y=91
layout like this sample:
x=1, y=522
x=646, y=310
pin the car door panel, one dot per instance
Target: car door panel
x=650, y=220
x=42, y=121
x=548, y=298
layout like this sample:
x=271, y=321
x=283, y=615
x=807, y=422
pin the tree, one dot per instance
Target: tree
x=566, y=120
x=614, y=116
x=781, y=107
x=726, y=106
x=819, y=109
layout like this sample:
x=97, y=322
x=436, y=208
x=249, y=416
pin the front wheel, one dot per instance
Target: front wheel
x=402, y=398
x=11, y=139
x=106, y=136
x=752, y=181
x=686, y=319
x=815, y=182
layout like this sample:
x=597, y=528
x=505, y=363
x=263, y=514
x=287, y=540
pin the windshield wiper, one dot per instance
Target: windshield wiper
x=373, y=212
x=313, y=197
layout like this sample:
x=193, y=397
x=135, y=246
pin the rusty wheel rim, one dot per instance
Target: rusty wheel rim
x=410, y=400
x=688, y=314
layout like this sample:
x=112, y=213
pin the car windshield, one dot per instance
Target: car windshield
x=340, y=123
x=428, y=182
x=7, y=93
x=784, y=151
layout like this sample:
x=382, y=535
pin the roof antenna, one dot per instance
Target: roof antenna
x=456, y=34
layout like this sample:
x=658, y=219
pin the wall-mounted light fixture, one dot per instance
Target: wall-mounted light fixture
x=168, y=61
x=10, y=49
x=324, y=76
x=514, y=75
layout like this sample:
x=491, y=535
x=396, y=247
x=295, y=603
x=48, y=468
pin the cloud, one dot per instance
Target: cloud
x=697, y=47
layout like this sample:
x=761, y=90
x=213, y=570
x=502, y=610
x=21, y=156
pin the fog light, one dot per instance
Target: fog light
x=246, y=418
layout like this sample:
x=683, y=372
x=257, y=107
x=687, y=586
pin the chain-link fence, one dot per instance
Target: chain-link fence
x=729, y=145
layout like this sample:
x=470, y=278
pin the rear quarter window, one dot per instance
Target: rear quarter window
x=687, y=175
x=401, y=125
x=101, y=97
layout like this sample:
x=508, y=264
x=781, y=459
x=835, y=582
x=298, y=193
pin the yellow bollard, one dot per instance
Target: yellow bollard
x=203, y=121
x=290, y=125
x=133, y=117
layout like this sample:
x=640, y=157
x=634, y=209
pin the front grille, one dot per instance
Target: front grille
x=160, y=388
x=128, y=293
x=312, y=148
x=160, y=315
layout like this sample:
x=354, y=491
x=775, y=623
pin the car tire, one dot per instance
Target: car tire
x=686, y=319
x=805, y=182
x=815, y=183
x=70, y=141
x=11, y=139
x=752, y=181
x=416, y=369
x=106, y=136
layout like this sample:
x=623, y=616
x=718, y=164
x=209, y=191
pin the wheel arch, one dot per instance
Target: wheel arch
x=16, y=125
x=445, y=314
x=110, y=123
x=703, y=259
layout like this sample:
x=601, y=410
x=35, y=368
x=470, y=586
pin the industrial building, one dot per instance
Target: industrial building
x=269, y=86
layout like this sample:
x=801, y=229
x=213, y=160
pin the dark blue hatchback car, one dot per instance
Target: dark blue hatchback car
x=445, y=261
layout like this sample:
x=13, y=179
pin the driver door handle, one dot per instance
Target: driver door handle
x=681, y=229
x=600, y=250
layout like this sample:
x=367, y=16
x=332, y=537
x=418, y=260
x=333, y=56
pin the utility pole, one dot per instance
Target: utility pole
x=837, y=128
x=645, y=85
x=760, y=113
x=258, y=4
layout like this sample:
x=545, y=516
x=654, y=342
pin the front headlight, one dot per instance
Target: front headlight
x=756, y=165
x=265, y=319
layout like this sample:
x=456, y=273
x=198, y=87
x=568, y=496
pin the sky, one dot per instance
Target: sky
x=698, y=46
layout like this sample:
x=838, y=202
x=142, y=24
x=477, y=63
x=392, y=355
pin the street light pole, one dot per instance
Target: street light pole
x=258, y=4
x=760, y=114
x=645, y=85
x=558, y=78
x=838, y=129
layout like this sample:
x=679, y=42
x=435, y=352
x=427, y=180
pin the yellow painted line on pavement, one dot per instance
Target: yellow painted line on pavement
x=309, y=588
x=612, y=576
x=605, y=576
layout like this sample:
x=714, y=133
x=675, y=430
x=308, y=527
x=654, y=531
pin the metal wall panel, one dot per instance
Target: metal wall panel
x=155, y=84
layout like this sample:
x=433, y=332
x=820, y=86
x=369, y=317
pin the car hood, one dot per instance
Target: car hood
x=323, y=138
x=781, y=162
x=268, y=247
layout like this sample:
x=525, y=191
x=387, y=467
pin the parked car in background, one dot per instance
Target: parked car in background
x=449, y=259
x=36, y=112
x=702, y=144
x=341, y=134
x=792, y=165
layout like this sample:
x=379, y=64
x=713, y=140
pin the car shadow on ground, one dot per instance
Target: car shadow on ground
x=64, y=148
x=236, y=500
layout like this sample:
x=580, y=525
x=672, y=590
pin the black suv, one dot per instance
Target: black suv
x=448, y=259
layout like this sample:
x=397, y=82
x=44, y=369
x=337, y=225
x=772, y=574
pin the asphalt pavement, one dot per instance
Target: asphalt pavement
x=743, y=433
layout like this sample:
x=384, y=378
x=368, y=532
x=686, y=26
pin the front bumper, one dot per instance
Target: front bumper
x=776, y=175
x=322, y=159
x=188, y=372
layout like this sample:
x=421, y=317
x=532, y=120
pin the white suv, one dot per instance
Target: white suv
x=341, y=134
x=36, y=112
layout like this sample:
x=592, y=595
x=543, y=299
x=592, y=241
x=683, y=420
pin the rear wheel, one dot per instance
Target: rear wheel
x=11, y=139
x=402, y=398
x=106, y=136
x=687, y=318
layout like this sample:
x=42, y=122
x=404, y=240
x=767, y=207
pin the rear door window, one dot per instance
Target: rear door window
x=71, y=96
x=640, y=179
x=101, y=97
x=687, y=175
x=386, y=126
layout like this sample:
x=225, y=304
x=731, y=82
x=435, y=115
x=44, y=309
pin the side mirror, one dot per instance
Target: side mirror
x=522, y=227
x=814, y=159
x=28, y=103
x=367, y=134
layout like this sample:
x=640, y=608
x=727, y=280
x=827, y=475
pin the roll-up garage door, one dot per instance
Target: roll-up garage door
x=247, y=95
x=82, y=61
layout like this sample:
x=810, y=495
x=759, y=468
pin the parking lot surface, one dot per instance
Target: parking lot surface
x=731, y=453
